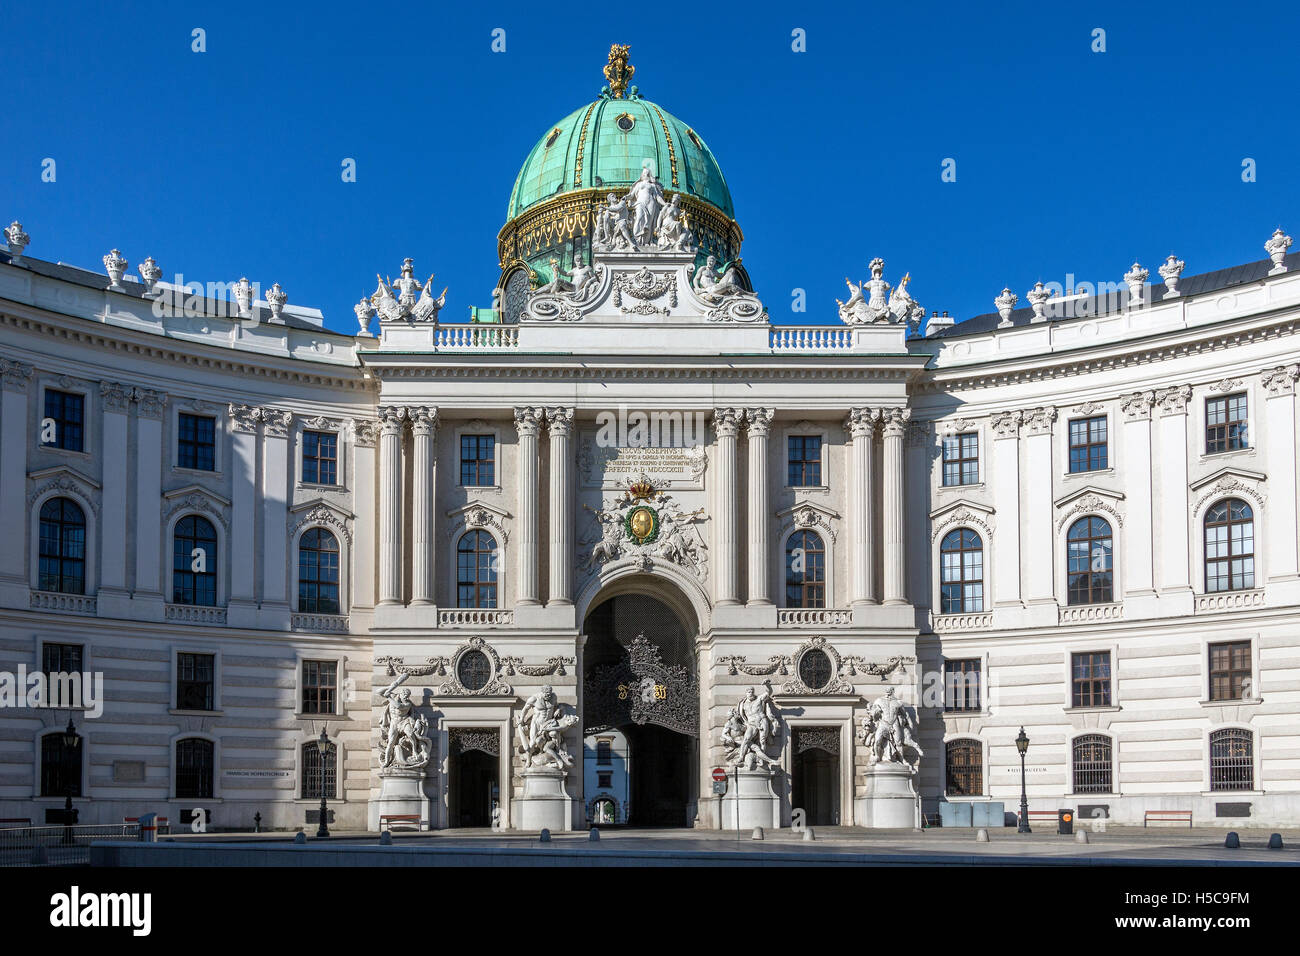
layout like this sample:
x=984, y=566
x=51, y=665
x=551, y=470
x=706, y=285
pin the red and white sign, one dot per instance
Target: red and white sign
x=719, y=774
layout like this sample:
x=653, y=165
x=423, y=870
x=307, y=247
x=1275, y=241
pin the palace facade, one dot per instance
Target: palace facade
x=625, y=483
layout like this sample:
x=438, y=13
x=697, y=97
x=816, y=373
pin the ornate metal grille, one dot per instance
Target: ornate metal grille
x=965, y=768
x=464, y=739
x=194, y=768
x=815, y=669
x=817, y=738
x=1092, y=764
x=1232, y=759
x=313, y=773
x=474, y=670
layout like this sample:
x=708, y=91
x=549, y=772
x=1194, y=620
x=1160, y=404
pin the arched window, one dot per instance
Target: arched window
x=1229, y=546
x=964, y=761
x=961, y=574
x=1232, y=759
x=194, y=562
x=63, y=547
x=476, y=570
x=805, y=570
x=195, y=758
x=1092, y=764
x=318, y=572
x=60, y=766
x=316, y=773
x=1090, y=559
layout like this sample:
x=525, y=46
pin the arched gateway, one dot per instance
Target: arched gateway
x=641, y=706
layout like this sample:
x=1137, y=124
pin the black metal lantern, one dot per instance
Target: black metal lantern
x=323, y=745
x=71, y=756
x=1022, y=744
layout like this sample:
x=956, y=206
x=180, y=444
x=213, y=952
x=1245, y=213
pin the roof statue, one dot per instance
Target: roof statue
x=618, y=71
x=873, y=302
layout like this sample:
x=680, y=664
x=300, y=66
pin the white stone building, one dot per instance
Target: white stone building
x=1079, y=518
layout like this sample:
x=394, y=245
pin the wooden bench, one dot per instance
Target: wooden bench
x=1041, y=817
x=1171, y=816
x=162, y=824
x=15, y=822
x=388, y=820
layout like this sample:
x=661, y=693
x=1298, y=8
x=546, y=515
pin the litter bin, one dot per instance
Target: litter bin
x=1065, y=822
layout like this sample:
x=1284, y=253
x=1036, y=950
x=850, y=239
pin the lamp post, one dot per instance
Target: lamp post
x=323, y=744
x=71, y=754
x=1022, y=744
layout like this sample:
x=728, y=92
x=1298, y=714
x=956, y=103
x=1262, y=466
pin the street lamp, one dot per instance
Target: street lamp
x=71, y=754
x=322, y=744
x=1022, y=744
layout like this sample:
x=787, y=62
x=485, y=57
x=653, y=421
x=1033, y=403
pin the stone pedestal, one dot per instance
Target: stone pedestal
x=891, y=802
x=751, y=801
x=545, y=803
x=400, y=791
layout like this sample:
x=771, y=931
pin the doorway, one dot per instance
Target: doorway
x=659, y=776
x=473, y=793
x=815, y=772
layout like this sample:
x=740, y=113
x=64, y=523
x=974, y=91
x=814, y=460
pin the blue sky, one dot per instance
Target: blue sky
x=227, y=163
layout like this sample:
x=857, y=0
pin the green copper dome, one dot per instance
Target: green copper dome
x=606, y=144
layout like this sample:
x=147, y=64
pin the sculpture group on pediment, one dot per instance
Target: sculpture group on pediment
x=872, y=301
x=396, y=301
x=643, y=220
x=648, y=525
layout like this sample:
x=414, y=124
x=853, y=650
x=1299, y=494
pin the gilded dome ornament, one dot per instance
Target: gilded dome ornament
x=618, y=71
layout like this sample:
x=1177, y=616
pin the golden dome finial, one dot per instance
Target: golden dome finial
x=618, y=71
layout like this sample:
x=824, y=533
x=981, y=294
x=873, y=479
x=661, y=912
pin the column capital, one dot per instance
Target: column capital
x=1136, y=407
x=152, y=404
x=1173, y=401
x=758, y=421
x=1007, y=424
x=364, y=432
x=895, y=421
x=727, y=421
x=1281, y=380
x=116, y=397
x=16, y=375
x=391, y=419
x=1038, y=421
x=276, y=422
x=528, y=419
x=424, y=421
x=559, y=420
x=861, y=421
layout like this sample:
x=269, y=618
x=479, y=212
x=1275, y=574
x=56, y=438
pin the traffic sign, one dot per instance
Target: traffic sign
x=719, y=773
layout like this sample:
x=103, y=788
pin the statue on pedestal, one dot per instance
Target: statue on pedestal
x=753, y=728
x=403, y=733
x=539, y=732
x=889, y=730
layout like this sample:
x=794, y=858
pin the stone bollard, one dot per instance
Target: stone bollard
x=809, y=836
x=757, y=834
x=386, y=838
x=593, y=836
x=544, y=836
x=981, y=835
x=1233, y=842
x=300, y=838
x=1081, y=836
x=1275, y=841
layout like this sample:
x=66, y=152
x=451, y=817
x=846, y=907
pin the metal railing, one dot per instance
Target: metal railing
x=58, y=845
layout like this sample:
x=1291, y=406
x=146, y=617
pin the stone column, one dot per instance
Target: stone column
x=364, y=435
x=726, y=423
x=391, y=420
x=13, y=477
x=148, y=497
x=861, y=426
x=895, y=427
x=1175, y=552
x=424, y=431
x=1006, y=502
x=116, y=402
x=276, y=477
x=759, y=422
x=1039, y=581
x=1279, y=386
x=527, y=422
x=559, y=424
x=1136, y=570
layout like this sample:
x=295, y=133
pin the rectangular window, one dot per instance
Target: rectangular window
x=1090, y=679
x=805, y=461
x=1088, y=444
x=961, y=459
x=603, y=753
x=65, y=420
x=478, y=460
x=196, y=442
x=1225, y=424
x=195, y=681
x=320, y=458
x=319, y=679
x=961, y=685
x=1230, y=671
x=61, y=658
x=317, y=774
x=605, y=780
